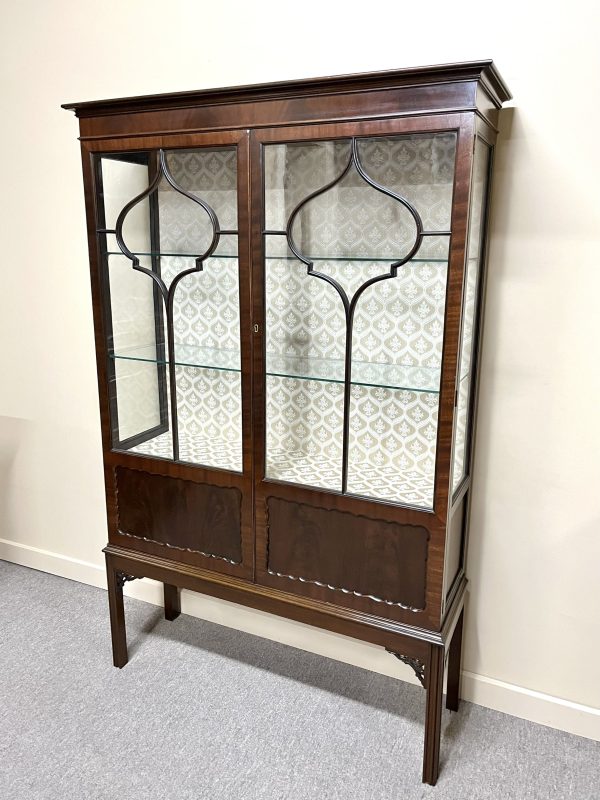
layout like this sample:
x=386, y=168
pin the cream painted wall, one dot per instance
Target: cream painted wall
x=533, y=634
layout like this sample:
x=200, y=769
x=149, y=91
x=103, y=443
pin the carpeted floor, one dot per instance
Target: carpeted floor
x=204, y=712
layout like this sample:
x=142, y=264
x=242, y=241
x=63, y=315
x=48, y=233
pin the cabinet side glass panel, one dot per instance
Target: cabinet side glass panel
x=180, y=242
x=137, y=388
x=481, y=165
x=356, y=245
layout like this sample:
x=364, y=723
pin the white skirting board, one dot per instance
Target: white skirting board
x=518, y=701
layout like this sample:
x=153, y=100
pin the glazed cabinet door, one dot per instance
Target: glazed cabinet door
x=359, y=242
x=171, y=285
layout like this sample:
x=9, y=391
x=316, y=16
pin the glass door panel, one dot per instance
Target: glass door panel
x=168, y=234
x=356, y=252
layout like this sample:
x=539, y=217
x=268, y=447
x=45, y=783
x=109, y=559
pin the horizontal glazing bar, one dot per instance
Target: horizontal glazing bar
x=221, y=232
x=423, y=233
x=169, y=255
x=290, y=258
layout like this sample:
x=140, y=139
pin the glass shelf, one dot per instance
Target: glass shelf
x=358, y=259
x=361, y=259
x=364, y=373
x=186, y=355
x=328, y=370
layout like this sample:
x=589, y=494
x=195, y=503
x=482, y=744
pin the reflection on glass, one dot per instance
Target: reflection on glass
x=471, y=291
x=174, y=363
x=352, y=232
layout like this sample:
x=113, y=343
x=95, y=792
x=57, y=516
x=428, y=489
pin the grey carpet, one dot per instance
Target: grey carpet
x=202, y=711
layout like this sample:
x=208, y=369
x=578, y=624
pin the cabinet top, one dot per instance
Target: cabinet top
x=482, y=71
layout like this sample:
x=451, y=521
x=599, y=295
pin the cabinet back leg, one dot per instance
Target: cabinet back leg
x=117, y=615
x=172, y=601
x=434, y=683
x=454, y=659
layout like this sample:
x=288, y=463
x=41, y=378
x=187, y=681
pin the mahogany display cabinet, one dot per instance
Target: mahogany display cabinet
x=287, y=286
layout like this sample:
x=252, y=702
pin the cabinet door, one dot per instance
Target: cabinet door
x=355, y=244
x=175, y=293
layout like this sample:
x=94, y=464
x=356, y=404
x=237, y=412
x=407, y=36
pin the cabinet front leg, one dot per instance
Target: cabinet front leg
x=117, y=615
x=433, y=714
x=454, y=658
x=172, y=601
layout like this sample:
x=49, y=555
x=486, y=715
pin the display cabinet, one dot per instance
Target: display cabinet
x=287, y=284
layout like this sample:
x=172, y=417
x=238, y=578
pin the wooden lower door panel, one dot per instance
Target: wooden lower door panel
x=333, y=552
x=195, y=522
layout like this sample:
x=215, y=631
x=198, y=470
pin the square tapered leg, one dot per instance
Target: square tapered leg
x=172, y=601
x=117, y=615
x=454, y=660
x=434, y=683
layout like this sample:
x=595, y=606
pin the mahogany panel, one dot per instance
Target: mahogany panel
x=454, y=539
x=180, y=514
x=385, y=561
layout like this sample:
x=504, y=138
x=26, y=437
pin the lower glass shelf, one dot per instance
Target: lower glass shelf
x=219, y=453
x=411, y=487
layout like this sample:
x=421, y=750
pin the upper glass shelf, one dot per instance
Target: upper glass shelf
x=186, y=355
x=285, y=258
x=364, y=373
x=328, y=370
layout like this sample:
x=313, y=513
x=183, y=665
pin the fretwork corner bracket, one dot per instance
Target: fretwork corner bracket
x=123, y=577
x=415, y=664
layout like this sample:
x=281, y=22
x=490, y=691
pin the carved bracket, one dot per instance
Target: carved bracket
x=415, y=664
x=123, y=577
